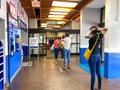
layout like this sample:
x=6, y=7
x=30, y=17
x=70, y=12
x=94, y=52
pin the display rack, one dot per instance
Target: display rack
x=1, y=66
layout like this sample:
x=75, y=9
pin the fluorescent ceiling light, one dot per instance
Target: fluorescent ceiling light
x=64, y=4
x=60, y=22
x=56, y=16
x=60, y=9
x=57, y=26
x=59, y=13
x=51, y=22
x=43, y=24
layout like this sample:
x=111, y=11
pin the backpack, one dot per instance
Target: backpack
x=61, y=44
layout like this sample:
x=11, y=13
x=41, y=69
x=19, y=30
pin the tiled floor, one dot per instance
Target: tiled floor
x=44, y=74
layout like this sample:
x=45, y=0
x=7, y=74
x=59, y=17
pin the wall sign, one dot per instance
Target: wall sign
x=22, y=25
x=35, y=3
x=33, y=42
x=13, y=10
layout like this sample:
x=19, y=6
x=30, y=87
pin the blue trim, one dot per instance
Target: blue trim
x=112, y=65
x=1, y=85
x=82, y=59
x=15, y=64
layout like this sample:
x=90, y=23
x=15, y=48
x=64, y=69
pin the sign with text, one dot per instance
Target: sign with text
x=35, y=3
x=33, y=42
x=13, y=10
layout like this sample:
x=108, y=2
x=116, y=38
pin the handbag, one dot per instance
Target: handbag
x=52, y=47
x=88, y=52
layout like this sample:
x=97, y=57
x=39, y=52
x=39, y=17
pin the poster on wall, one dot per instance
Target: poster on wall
x=33, y=42
x=10, y=28
x=13, y=10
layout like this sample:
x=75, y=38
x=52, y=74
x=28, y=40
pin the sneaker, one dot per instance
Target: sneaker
x=56, y=62
x=97, y=89
x=62, y=69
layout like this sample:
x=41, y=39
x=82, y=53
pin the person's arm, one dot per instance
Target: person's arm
x=103, y=30
x=89, y=33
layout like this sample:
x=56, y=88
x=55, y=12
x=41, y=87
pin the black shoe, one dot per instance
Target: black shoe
x=69, y=67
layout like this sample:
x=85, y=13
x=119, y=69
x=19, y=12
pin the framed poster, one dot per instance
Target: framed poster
x=33, y=42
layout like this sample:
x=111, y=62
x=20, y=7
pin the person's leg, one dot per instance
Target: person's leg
x=68, y=58
x=92, y=66
x=62, y=52
x=56, y=55
x=98, y=71
x=55, y=51
x=65, y=58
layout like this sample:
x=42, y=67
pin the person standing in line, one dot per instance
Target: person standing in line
x=62, y=46
x=95, y=58
x=51, y=40
x=56, y=49
x=67, y=44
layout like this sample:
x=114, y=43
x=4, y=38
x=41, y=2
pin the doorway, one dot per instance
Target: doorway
x=44, y=35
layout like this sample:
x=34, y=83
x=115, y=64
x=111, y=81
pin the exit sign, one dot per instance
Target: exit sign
x=35, y=3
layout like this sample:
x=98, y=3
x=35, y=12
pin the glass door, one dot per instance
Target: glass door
x=75, y=43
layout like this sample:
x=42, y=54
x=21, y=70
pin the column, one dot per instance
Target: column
x=112, y=39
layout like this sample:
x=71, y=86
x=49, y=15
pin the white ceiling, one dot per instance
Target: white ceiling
x=96, y=4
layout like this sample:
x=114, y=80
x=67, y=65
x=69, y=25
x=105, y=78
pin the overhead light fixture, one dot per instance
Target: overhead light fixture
x=60, y=22
x=57, y=26
x=43, y=24
x=58, y=13
x=56, y=16
x=56, y=19
x=64, y=4
x=61, y=9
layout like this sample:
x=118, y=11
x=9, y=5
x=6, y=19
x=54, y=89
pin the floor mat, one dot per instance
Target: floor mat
x=26, y=64
x=86, y=68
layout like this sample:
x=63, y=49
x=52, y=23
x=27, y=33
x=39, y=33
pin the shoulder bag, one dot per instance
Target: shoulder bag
x=88, y=52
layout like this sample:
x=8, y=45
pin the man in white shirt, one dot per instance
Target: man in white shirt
x=67, y=61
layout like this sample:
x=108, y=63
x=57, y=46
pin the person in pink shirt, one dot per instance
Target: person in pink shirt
x=56, y=48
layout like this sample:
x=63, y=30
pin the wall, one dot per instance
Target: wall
x=3, y=16
x=90, y=16
x=75, y=25
x=67, y=26
x=112, y=38
x=24, y=38
x=32, y=23
x=72, y=25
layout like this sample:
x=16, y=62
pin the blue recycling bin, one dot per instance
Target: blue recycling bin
x=25, y=51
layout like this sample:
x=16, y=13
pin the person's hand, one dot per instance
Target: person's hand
x=103, y=30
